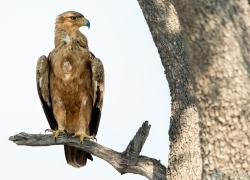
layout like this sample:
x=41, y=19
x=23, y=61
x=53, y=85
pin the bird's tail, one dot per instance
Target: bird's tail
x=76, y=157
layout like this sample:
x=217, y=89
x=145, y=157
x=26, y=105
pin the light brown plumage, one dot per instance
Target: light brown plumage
x=71, y=85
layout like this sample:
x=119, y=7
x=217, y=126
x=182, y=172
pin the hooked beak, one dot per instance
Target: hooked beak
x=86, y=23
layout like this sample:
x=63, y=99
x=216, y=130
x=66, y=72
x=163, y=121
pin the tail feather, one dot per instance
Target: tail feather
x=75, y=156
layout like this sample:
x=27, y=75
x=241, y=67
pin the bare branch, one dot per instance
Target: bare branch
x=128, y=161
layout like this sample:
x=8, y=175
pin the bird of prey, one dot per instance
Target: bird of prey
x=70, y=83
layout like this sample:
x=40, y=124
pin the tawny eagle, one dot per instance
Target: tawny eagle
x=70, y=84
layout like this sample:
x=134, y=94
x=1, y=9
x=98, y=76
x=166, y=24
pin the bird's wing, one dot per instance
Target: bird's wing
x=42, y=80
x=98, y=80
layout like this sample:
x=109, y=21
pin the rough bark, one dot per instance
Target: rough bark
x=128, y=161
x=184, y=157
x=216, y=37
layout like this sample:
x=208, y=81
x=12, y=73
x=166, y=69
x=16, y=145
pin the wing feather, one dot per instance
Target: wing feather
x=98, y=80
x=43, y=88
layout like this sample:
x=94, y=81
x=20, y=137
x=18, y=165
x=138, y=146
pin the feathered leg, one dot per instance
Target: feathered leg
x=59, y=112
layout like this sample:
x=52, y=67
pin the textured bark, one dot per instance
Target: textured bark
x=216, y=60
x=128, y=161
x=217, y=39
x=184, y=157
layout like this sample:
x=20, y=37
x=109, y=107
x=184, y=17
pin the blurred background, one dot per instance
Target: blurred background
x=136, y=87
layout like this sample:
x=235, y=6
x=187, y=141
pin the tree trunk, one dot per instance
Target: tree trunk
x=214, y=59
x=184, y=158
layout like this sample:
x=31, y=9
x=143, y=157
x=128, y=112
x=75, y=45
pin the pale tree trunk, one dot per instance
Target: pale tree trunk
x=215, y=57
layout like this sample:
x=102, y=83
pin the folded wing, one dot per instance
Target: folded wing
x=98, y=80
x=43, y=87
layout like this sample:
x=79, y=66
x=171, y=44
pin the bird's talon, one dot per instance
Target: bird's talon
x=93, y=138
x=57, y=133
x=48, y=130
x=83, y=136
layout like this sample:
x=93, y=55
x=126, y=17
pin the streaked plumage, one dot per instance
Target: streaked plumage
x=70, y=84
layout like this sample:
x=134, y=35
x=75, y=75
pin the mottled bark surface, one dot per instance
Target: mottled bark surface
x=184, y=157
x=216, y=38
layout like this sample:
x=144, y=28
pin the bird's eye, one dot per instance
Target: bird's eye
x=73, y=17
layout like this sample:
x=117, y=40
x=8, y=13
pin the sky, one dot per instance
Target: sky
x=136, y=87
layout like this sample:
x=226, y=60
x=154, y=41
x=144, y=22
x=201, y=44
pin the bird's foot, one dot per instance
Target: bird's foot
x=83, y=136
x=57, y=133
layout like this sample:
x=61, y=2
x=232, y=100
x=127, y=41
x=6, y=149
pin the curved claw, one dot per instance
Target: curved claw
x=48, y=130
x=83, y=136
x=57, y=133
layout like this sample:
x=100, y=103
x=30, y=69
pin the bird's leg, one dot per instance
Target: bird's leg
x=59, y=112
x=83, y=130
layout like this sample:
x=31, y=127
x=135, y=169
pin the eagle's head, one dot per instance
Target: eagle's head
x=72, y=20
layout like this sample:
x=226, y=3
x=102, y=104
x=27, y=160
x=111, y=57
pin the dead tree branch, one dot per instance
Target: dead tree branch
x=129, y=161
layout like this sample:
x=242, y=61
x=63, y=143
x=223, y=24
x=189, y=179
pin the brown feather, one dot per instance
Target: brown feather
x=98, y=79
x=71, y=85
x=74, y=86
x=42, y=79
x=75, y=157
